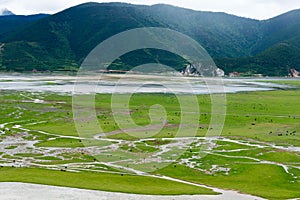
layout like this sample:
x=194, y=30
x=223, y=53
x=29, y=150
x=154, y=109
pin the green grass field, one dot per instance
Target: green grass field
x=256, y=153
x=100, y=181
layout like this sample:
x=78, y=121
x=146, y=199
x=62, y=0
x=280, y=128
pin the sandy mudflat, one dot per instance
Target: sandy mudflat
x=25, y=191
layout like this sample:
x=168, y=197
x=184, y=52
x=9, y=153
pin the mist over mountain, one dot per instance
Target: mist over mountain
x=5, y=12
x=63, y=40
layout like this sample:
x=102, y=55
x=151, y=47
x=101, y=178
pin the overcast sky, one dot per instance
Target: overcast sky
x=257, y=9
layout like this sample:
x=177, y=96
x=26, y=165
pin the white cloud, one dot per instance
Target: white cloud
x=259, y=9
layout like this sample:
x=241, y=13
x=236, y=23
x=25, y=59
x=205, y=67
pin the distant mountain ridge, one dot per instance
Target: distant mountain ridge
x=5, y=12
x=61, y=41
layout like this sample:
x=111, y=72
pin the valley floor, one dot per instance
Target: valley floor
x=258, y=152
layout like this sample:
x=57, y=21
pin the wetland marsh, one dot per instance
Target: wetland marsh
x=258, y=152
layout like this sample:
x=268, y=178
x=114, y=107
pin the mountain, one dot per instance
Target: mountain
x=278, y=29
x=61, y=41
x=275, y=53
x=223, y=35
x=5, y=12
x=11, y=24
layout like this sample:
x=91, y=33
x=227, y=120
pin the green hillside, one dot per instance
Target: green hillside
x=63, y=40
x=14, y=23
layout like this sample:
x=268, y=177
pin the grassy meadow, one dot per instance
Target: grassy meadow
x=255, y=154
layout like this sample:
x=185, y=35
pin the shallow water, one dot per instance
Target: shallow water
x=132, y=84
